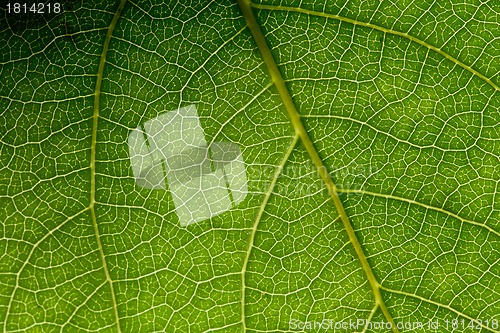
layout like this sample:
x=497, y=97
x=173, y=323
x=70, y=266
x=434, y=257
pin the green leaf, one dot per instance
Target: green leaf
x=370, y=135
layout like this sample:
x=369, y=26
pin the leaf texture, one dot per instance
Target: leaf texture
x=397, y=103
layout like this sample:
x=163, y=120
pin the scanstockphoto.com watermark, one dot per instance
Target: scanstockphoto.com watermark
x=351, y=325
x=356, y=325
x=304, y=180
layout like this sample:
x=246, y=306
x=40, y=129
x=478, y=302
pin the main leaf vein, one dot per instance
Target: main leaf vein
x=95, y=119
x=301, y=132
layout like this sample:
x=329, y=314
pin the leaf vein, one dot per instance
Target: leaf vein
x=448, y=307
x=426, y=206
x=93, y=148
x=256, y=224
x=383, y=29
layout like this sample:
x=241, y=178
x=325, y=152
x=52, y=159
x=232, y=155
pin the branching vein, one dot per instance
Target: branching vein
x=301, y=132
x=256, y=224
x=383, y=29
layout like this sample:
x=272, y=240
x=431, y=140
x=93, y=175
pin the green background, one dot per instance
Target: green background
x=411, y=137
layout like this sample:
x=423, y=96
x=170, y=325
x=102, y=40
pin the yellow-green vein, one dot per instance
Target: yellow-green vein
x=93, y=147
x=301, y=132
x=379, y=28
x=423, y=299
x=256, y=224
x=423, y=205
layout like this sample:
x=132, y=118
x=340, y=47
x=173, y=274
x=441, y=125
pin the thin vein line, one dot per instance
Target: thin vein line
x=392, y=136
x=379, y=28
x=438, y=305
x=35, y=246
x=370, y=317
x=253, y=99
x=441, y=210
x=296, y=121
x=95, y=119
x=256, y=224
x=81, y=305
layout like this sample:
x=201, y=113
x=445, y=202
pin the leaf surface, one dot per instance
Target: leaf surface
x=391, y=129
